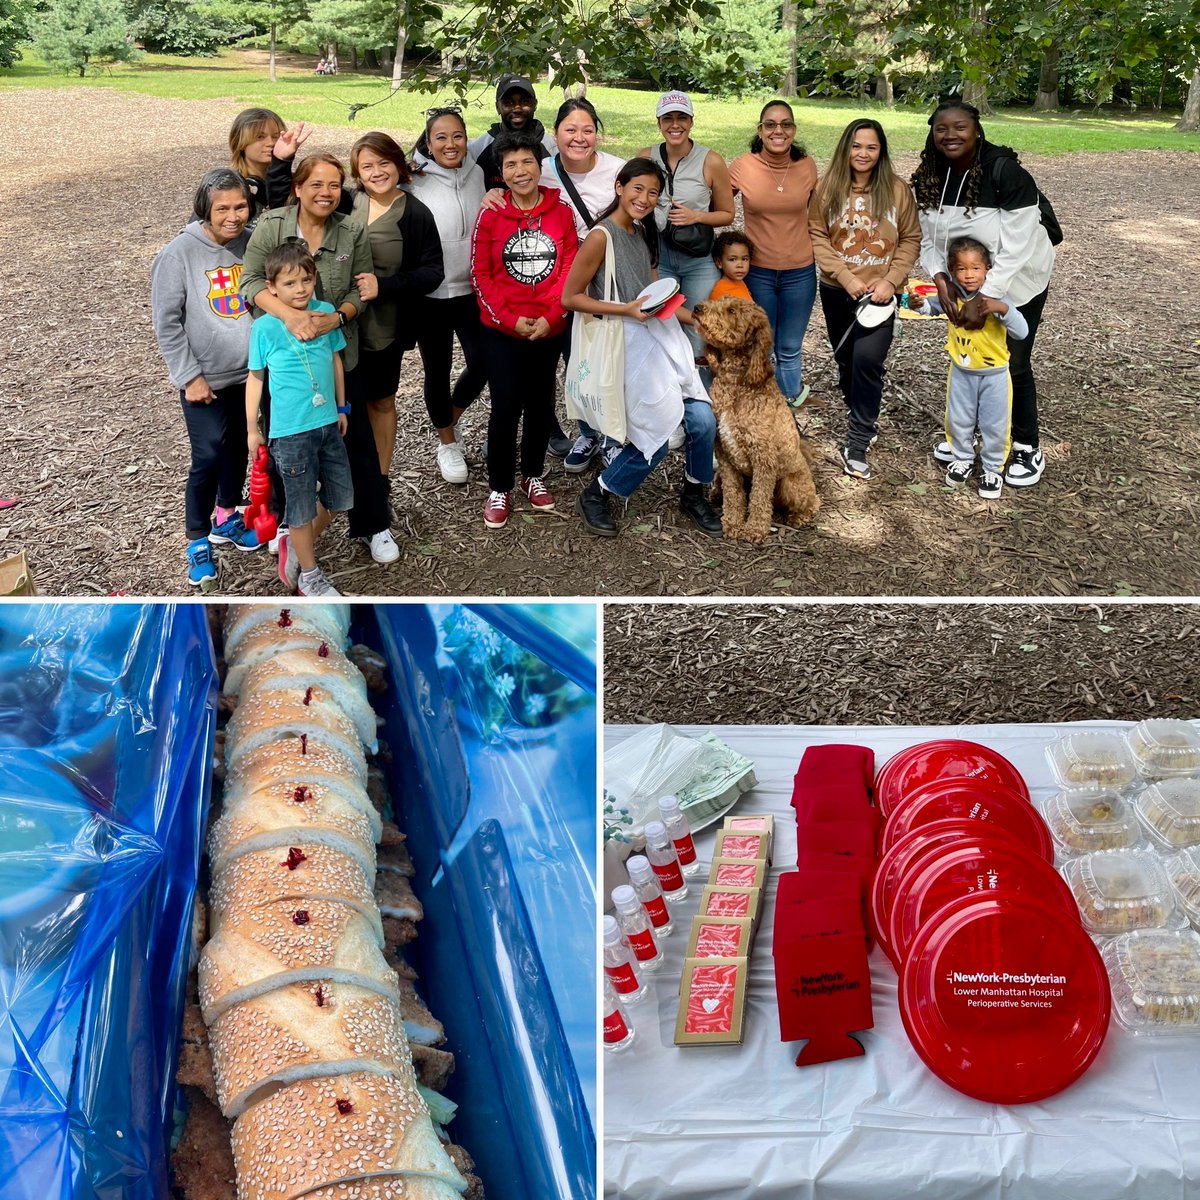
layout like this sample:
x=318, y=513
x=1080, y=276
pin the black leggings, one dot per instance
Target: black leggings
x=437, y=323
x=1024, y=387
x=217, y=433
x=860, y=363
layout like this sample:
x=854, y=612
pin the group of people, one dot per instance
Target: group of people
x=498, y=241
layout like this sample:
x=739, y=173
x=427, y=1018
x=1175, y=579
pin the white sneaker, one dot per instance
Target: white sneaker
x=677, y=438
x=273, y=544
x=383, y=546
x=451, y=462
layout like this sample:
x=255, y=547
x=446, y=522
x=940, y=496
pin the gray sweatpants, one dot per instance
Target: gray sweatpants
x=983, y=400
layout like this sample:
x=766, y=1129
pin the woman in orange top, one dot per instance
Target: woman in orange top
x=777, y=179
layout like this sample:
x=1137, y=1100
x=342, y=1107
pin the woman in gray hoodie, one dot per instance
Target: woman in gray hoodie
x=203, y=329
x=451, y=186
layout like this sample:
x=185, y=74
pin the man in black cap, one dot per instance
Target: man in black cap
x=516, y=103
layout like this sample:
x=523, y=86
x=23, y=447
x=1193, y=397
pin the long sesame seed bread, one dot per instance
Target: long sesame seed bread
x=293, y=762
x=301, y=1031
x=321, y=1132
x=263, y=718
x=288, y=668
x=386, y=1187
x=303, y=871
x=279, y=818
x=271, y=946
x=330, y=620
x=263, y=641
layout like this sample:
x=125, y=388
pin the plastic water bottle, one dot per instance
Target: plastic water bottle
x=660, y=850
x=635, y=925
x=680, y=832
x=645, y=883
x=618, y=1033
x=619, y=964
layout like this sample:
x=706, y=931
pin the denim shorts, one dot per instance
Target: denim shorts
x=306, y=459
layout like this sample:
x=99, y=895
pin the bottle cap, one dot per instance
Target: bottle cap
x=668, y=805
x=612, y=931
x=656, y=833
x=625, y=898
x=639, y=868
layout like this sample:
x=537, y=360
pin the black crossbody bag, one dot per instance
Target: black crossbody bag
x=696, y=241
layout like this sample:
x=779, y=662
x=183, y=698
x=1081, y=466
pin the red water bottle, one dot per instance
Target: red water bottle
x=258, y=512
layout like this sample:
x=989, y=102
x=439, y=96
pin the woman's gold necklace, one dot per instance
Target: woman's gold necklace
x=783, y=178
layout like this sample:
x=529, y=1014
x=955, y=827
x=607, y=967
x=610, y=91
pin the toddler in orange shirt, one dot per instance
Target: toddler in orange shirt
x=731, y=252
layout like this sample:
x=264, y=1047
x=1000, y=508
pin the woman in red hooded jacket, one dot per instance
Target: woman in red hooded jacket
x=520, y=255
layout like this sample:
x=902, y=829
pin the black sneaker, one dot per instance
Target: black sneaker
x=854, y=463
x=560, y=446
x=592, y=505
x=990, y=485
x=959, y=471
x=694, y=503
x=1025, y=467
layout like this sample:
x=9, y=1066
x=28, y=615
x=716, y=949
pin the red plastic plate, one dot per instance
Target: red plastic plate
x=948, y=758
x=894, y=863
x=975, y=800
x=1004, y=998
x=970, y=868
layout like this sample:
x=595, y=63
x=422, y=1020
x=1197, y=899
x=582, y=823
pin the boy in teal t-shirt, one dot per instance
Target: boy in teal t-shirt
x=308, y=417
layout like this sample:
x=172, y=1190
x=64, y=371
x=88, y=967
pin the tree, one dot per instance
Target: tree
x=75, y=35
x=14, y=29
x=1047, y=97
x=180, y=26
x=272, y=15
x=1190, y=121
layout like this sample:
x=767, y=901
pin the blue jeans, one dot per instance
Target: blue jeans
x=696, y=276
x=787, y=298
x=630, y=469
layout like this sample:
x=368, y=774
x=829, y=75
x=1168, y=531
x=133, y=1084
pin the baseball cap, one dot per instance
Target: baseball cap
x=509, y=83
x=674, y=102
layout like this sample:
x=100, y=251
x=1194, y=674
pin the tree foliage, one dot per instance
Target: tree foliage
x=15, y=18
x=78, y=35
x=182, y=27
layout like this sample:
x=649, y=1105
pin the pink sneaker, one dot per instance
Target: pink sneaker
x=289, y=565
x=496, y=510
x=537, y=493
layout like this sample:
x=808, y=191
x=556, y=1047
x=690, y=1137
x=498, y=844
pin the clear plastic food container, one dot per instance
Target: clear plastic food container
x=1091, y=819
x=1092, y=758
x=1119, y=891
x=1163, y=747
x=1155, y=976
x=1170, y=811
x=1183, y=870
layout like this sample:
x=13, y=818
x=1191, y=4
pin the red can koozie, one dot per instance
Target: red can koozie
x=623, y=978
x=642, y=945
x=657, y=908
x=686, y=849
x=615, y=1029
x=669, y=876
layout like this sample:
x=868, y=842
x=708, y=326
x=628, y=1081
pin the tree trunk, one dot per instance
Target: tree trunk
x=353, y=58
x=271, y=74
x=1190, y=121
x=382, y=59
x=331, y=56
x=976, y=94
x=790, y=82
x=884, y=92
x=1047, y=94
x=401, y=40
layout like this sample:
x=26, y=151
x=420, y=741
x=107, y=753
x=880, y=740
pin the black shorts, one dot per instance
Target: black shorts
x=378, y=372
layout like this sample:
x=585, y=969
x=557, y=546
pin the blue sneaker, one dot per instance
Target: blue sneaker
x=233, y=531
x=580, y=456
x=202, y=569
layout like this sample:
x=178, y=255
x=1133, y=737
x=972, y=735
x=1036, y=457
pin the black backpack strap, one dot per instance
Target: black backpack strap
x=576, y=199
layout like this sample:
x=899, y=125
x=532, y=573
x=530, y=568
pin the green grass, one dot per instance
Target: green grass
x=724, y=124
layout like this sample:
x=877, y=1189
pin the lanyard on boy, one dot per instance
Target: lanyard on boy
x=318, y=396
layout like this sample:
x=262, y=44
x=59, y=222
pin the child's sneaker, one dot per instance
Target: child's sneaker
x=943, y=453
x=314, y=583
x=383, y=547
x=233, y=532
x=202, y=569
x=289, y=564
x=854, y=463
x=496, y=510
x=1026, y=465
x=580, y=456
x=537, y=493
x=991, y=484
x=959, y=471
x=273, y=544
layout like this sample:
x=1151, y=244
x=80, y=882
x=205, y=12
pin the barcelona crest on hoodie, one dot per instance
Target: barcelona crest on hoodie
x=223, y=297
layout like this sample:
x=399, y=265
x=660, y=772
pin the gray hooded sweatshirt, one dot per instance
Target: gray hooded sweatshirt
x=454, y=197
x=201, y=322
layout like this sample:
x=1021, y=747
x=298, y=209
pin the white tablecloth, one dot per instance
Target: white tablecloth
x=716, y=1122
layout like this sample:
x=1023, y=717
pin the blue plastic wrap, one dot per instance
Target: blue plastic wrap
x=107, y=715
x=492, y=719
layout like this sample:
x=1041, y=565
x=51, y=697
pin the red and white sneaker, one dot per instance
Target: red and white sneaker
x=496, y=510
x=537, y=493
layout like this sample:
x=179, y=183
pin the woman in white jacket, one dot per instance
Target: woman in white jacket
x=451, y=186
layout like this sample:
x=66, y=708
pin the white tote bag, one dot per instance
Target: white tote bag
x=595, y=381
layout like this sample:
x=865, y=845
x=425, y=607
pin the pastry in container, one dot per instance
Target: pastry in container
x=1155, y=975
x=1164, y=747
x=1170, y=811
x=1119, y=891
x=1090, y=819
x=1092, y=758
x=1183, y=870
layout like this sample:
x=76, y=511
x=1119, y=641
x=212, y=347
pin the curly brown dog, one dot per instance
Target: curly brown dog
x=757, y=438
